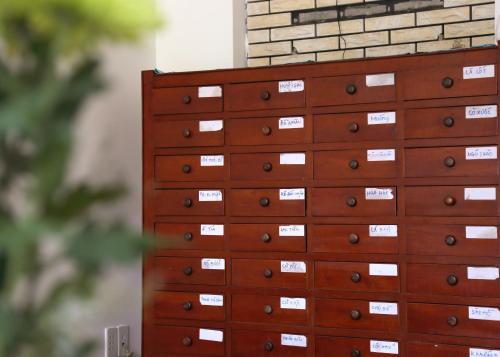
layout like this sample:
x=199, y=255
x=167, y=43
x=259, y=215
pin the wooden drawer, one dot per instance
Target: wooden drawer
x=183, y=100
x=181, y=341
x=329, y=346
x=186, y=305
x=268, y=273
x=170, y=270
x=440, y=279
x=265, y=202
x=425, y=239
x=355, y=239
x=346, y=164
x=448, y=320
x=261, y=95
x=258, y=343
x=350, y=89
x=447, y=201
x=445, y=82
x=266, y=309
x=351, y=127
x=267, y=131
x=418, y=349
x=190, y=168
x=449, y=122
x=267, y=237
x=451, y=161
x=357, y=276
x=267, y=166
x=187, y=133
x=351, y=201
x=187, y=202
x=188, y=236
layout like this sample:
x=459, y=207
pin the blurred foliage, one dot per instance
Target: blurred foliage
x=49, y=67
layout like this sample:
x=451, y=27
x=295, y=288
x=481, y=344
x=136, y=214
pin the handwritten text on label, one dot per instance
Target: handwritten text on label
x=293, y=340
x=211, y=335
x=293, y=159
x=209, y=92
x=383, y=308
x=484, y=313
x=292, y=194
x=481, y=232
x=480, y=193
x=483, y=273
x=210, y=125
x=211, y=300
x=381, y=155
x=474, y=72
x=384, y=79
x=479, y=352
x=213, y=264
x=383, y=269
x=291, y=86
x=212, y=160
x=292, y=231
x=293, y=267
x=481, y=153
x=291, y=123
x=481, y=112
x=212, y=229
x=376, y=230
x=293, y=303
x=381, y=118
x=388, y=347
x=378, y=193
x=209, y=196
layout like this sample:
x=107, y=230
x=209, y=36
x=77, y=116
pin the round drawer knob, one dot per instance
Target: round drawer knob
x=452, y=321
x=186, y=99
x=452, y=280
x=188, y=236
x=353, y=127
x=268, y=346
x=187, y=341
x=268, y=309
x=186, y=133
x=268, y=273
x=449, y=161
x=264, y=201
x=450, y=240
x=187, y=271
x=353, y=238
x=447, y=82
x=188, y=305
x=448, y=122
x=265, y=95
x=267, y=166
x=186, y=169
x=266, y=130
x=354, y=164
x=351, y=201
x=266, y=238
x=355, y=314
x=450, y=201
x=356, y=277
x=188, y=202
x=355, y=353
x=351, y=89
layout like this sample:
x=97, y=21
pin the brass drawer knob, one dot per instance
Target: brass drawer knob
x=188, y=305
x=353, y=127
x=353, y=238
x=187, y=341
x=355, y=353
x=449, y=161
x=450, y=201
x=268, y=273
x=452, y=320
x=186, y=99
x=351, y=201
x=266, y=130
x=268, y=309
x=188, y=202
x=186, y=133
x=188, y=236
x=355, y=314
x=266, y=238
x=354, y=164
x=448, y=122
x=356, y=277
x=265, y=95
x=450, y=240
x=351, y=89
x=268, y=346
x=264, y=201
x=452, y=280
x=187, y=271
x=186, y=169
x=447, y=82
x=267, y=166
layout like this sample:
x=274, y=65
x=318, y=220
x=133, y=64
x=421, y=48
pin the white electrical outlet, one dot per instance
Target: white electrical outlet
x=123, y=341
x=111, y=342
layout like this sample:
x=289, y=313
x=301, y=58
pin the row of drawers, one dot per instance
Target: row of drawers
x=446, y=122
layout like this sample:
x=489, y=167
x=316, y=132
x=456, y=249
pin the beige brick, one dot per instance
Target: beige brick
x=274, y=20
x=258, y=62
x=443, y=45
x=443, y=16
x=340, y=55
x=292, y=32
x=316, y=44
x=323, y=3
x=365, y=39
x=484, y=40
x=332, y=28
x=416, y=34
x=293, y=58
x=449, y=3
x=474, y=28
x=483, y=12
x=390, y=50
x=290, y=5
x=258, y=36
x=389, y=22
x=258, y=8
x=270, y=49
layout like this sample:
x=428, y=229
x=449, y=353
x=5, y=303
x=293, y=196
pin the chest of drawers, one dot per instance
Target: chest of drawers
x=335, y=209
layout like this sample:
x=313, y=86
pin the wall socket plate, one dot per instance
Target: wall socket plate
x=111, y=342
x=123, y=341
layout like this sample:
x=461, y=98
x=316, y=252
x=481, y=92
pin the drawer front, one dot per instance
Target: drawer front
x=350, y=127
x=181, y=305
x=436, y=279
x=267, y=131
x=266, y=166
x=261, y=95
x=187, y=203
x=188, y=236
x=451, y=161
x=355, y=239
x=190, y=168
x=348, y=90
x=446, y=201
x=450, y=320
x=450, y=122
x=266, y=273
x=169, y=270
x=346, y=164
x=347, y=276
x=183, y=100
x=452, y=240
x=267, y=237
x=256, y=343
x=264, y=202
x=418, y=349
x=351, y=201
x=181, y=340
x=445, y=82
x=265, y=309
x=353, y=314
x=186, y=133
x=328, y=346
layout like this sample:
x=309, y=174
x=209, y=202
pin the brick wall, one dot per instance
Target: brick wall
x=291, y=31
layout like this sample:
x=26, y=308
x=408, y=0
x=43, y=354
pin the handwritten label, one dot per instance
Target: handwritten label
x=291, y=86
x=376, y=230
x=383, y=308
x=480, y=193
x=293, y=303
x=480, y=352
x=481, y=232
x=388, y=347
x=291, y=123
x=378, y=194
x=210, y=92
x=209, y=196
x=212, y=160
x=481, y=112
x=293, y=267
x=292, y=194
x=212, y=229
x=210, y=125
x=383, y=269
x=483, y=273
x=211, y=335
x=481, y=153
x=376, y=80
x=293, y=159
x=486, y=71
x=297, y=230
x=211, y=300
x=293, y=340
x=381, y=155
x=484, y=313
x=381, y=118
x=213, y=264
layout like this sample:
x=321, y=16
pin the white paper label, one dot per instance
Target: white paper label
x=484, y=313
x=383, y=269
x=212, y=160
x=381, y=155
x=211, y=335
x=291, y=86
x=480, y=352
x=212, y=229
x=210, y=125
x=293, y=303
x=383, y=308
x=378, y=194
x=481, y=112
x=213, y=264
x=209, y=196
x=293, y=267
x=209, y=92
x=297, y=230
x=292, y=194
x=381, y=118
x=483, y=273
x=376, y=230
x=480, y=193
x=481, y=232
x=291, y=123
x=486, y=71
x=293, y=159
x=388, y=347
x=293, y=340
x=375, y=80
x=481, y=153
x=211, y=300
